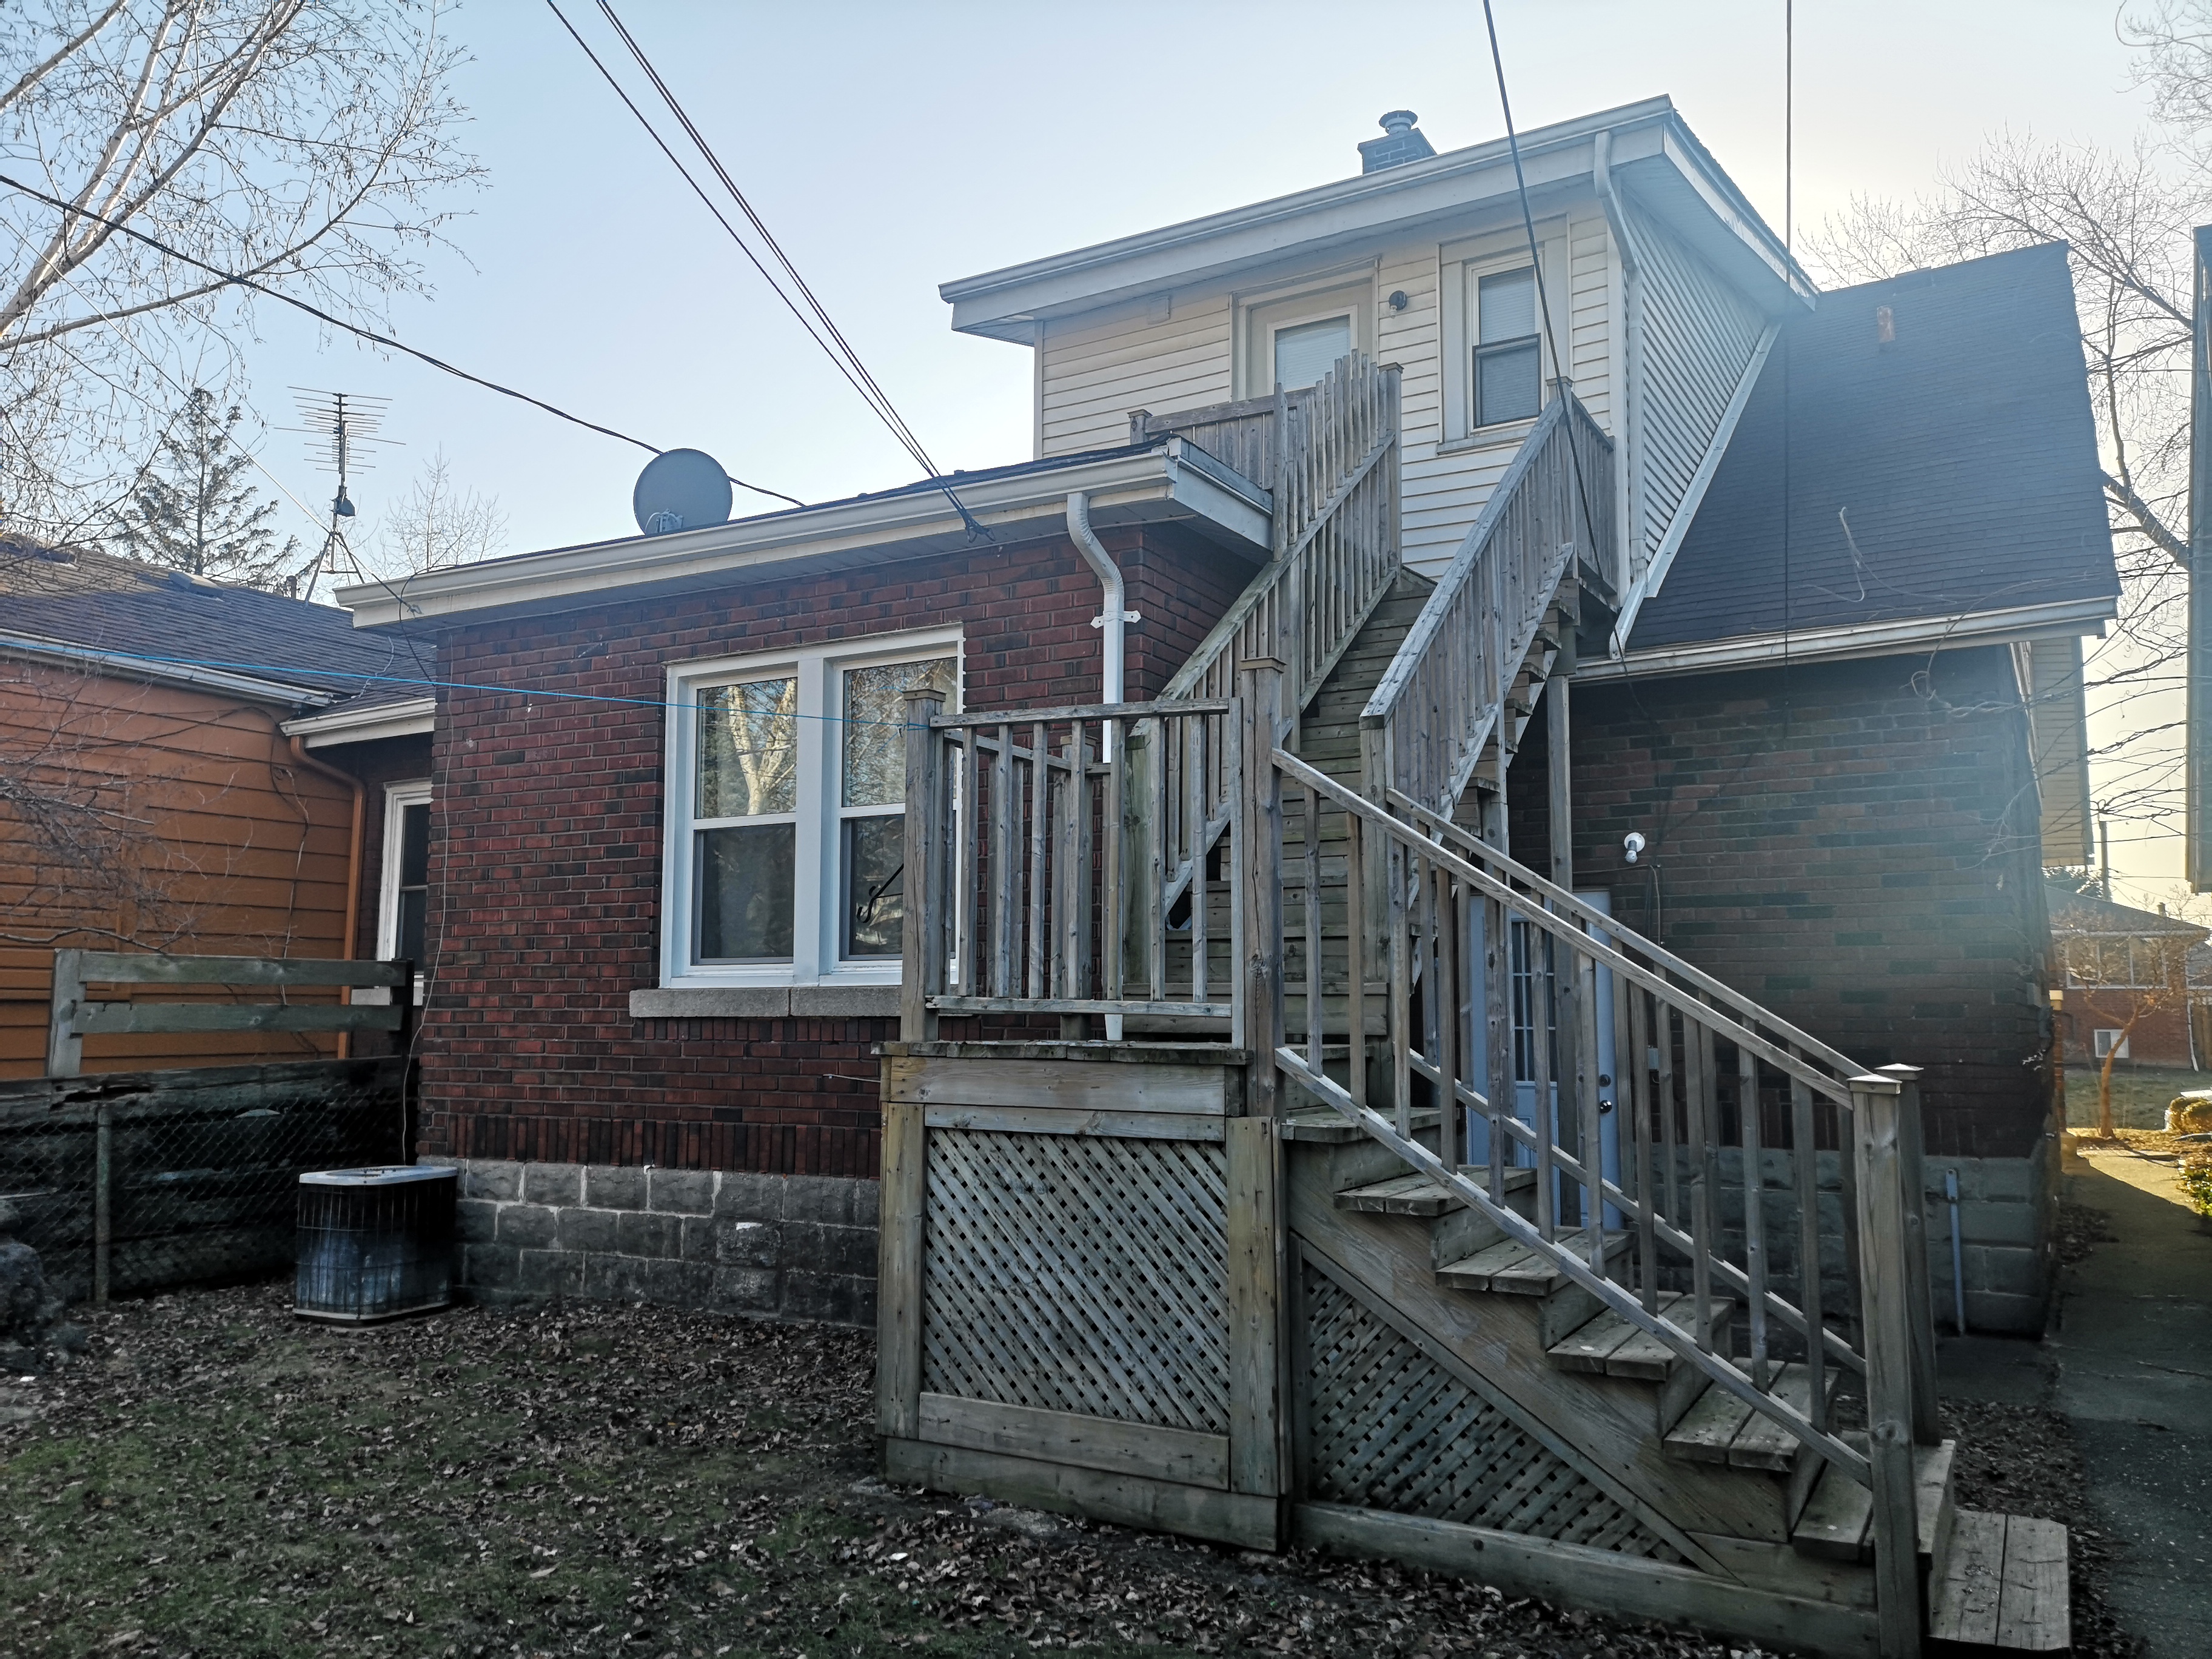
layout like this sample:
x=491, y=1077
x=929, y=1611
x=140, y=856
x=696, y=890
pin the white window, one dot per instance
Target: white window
x=2108, y=1039
x=786, y=841
x=1509, y=350
x=404, y=890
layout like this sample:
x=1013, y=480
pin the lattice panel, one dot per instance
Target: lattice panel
x=1390, y=1428
x=1076, y=1273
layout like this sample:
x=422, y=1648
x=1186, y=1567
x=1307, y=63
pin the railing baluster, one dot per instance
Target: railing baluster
x=1315, y=1025
x=1005, y=876
x=1497, y=1010
x=1540, y=1051
x=1593, y=1136
x=1805, y=1159
x=1636, y=1098
x=965, y=935
x=1754, y=1206
x=1701, y=1258
x=1401, y=989
x=1194, y=756
x=1114, y=811
x=1669, y=1126
x=1355, y=954
x=1156, y=836
x=1040, y=834
x=1444, y=908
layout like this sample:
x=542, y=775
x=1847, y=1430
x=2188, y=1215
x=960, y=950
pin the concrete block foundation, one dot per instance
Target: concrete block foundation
x=736, y=1242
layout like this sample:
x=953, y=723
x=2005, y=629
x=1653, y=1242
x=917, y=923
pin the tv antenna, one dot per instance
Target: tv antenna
x=340, y=427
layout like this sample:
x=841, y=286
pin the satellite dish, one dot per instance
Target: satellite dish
x=681, y=489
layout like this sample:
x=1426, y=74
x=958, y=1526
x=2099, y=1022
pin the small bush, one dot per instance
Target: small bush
x=2196, y=1184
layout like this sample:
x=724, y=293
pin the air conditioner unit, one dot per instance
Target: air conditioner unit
x=375, y=1243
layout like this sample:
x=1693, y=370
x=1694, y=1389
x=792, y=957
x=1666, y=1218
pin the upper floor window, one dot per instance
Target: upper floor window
x=786, y=838
x=1509, y=354
x=1292, y=340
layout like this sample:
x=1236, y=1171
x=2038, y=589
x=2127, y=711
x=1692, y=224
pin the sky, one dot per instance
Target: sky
x=892, y=147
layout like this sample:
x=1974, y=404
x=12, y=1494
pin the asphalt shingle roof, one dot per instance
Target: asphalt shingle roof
x=98, y=601
x=1950, y=470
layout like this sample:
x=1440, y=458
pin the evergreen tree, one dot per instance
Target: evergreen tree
x=193, y=509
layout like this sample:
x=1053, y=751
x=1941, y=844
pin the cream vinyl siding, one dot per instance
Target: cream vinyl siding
x=1162, y=355
x=1699, y=334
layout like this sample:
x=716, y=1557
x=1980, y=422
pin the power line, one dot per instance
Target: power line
x=369, y=334
x=819, y=323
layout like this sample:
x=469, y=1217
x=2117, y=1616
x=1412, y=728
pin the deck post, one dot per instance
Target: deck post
x=1877, y=1150
x=924, y=905
x=1260, y=950
x=1912, y=1170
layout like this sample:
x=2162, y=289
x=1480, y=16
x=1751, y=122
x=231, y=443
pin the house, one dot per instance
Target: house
x=1376, y=865
x=188, y=767
x=2128, y=979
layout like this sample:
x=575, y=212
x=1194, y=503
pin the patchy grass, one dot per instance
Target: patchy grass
x=216, y=1479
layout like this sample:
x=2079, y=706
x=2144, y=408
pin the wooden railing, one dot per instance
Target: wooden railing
x=1331, y=457
x=1058, y=861
x=1426, y=726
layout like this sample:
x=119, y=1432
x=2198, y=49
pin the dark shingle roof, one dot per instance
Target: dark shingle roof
x=1962, y=455
x=2075, y=912
x=98, y=601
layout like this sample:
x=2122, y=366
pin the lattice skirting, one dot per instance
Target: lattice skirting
x=1390, y=1428
x=1077, y=1273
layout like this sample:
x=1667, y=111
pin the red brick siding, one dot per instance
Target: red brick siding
x=2160, y=1034
x=546, y=840
x=1856, y=846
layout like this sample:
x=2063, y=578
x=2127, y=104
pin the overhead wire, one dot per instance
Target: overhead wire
x=234, y=279
x=813, y=316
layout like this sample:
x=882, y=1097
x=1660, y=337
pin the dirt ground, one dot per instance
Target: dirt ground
x=215, y=1479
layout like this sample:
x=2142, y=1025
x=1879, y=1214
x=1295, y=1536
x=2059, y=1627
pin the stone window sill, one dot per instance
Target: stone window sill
x=766, y=1002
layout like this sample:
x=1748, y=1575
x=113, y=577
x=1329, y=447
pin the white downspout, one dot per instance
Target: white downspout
x=1113, y=619
x=1112, y=622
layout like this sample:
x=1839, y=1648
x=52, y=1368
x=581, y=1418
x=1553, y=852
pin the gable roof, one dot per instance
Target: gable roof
x=117, y=616
x=2072, y=912
x=1647, y=144
x=1949, y=472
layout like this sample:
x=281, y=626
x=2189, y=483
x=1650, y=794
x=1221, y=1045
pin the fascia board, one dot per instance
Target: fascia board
x=126, y=665
x=2066, y=618
x=1166, y=481
x=1004, y=302
x=413, y=718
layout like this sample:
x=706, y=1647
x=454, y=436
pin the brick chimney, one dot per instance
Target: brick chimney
x=1400, y=142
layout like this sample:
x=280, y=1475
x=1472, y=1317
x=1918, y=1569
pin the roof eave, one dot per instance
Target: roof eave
x=411, y=718
x=1173, y=481
x=165, y=671
x=1007, y=304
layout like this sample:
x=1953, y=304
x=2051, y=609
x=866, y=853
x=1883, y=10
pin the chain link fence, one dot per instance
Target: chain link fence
x=127, y=1183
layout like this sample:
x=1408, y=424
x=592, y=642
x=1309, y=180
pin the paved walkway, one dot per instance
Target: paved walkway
x=2129, y=1360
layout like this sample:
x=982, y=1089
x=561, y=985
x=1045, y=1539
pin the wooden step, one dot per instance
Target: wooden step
x=1610, y=1346
x=1331, y=1128
x=1511, y=1268
x=1836, y=1523
x=1416, y=1194
x=1721, y=1428
x=2004, y=1590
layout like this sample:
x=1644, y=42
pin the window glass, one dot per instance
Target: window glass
x=748, y=750
x=743, y=878
x=1509, y=362
x=875, y=727
x=1306, y=352
x=872, y=843
x=413, y=886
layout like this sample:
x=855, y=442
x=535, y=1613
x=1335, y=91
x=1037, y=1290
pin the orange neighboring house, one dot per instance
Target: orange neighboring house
x=2126, y=980
x=195, y=768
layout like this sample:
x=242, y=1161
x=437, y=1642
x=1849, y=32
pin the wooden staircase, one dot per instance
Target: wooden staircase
x=1322, y=1268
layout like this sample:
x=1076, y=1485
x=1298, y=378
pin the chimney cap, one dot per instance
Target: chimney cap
x=1399, y=120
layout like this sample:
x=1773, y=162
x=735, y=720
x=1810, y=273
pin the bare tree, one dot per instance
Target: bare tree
x=438, y=523
x=2126, y=218
x=307, y=144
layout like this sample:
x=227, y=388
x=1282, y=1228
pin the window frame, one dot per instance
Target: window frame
x=817, y=917
x=1464, y=265
x=1262, y=316
x=399, y=796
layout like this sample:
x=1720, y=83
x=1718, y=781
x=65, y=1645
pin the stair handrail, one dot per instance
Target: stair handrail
x=1327, y=574
x=1404, y=841
x=1441, y=828
x=1442, y=694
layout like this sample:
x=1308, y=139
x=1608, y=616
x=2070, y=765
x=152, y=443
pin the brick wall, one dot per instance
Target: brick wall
x=546, y=841
x=1856, y=848
x=2159, y=1035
